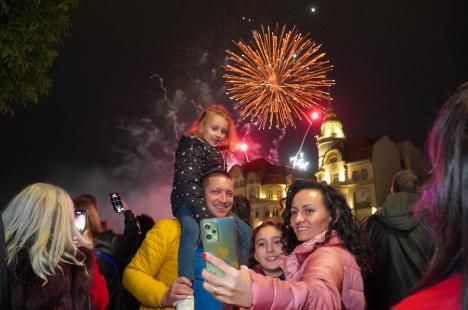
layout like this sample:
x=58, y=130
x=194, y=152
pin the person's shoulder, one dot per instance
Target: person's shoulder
x=165, y=231
x=325, y=254
x=442, y=295
x=190, y=141
x=337, y=255
x=189, y=145
x=166, y=225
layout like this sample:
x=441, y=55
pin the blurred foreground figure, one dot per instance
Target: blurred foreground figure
x=403, y=242
x=51, y=265
x=445, y=285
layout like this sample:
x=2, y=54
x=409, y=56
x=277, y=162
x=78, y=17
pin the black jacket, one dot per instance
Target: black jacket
x=403, y=245
x=114, y=252
x=194, y=158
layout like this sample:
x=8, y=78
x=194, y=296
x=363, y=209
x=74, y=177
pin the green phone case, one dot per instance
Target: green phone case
x=219, y=237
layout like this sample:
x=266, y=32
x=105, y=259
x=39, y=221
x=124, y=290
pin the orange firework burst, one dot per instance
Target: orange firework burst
x=277, y=78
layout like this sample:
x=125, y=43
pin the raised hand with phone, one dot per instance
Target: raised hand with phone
x=113, y=250
x=117, y=202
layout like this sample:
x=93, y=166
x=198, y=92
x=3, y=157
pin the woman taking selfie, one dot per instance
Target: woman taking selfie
x=50, y=265
x=323, y=268
x=267, y=248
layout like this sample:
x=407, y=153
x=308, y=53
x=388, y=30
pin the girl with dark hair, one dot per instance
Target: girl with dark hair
x=445, y=284
x=327, y=254
x=267, y=248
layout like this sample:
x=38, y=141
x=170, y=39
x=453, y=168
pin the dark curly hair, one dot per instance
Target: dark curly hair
x=342, y=221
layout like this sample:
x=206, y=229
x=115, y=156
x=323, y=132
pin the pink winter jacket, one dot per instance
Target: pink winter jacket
x=317, y=277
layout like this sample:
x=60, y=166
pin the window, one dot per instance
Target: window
x=362, y=199
x=257, y=214
x=252, y=195
x=266, y=213
x=364, y=174
x=270, y=195
x=279, y=195
x=335, y=178
x=333, y=160
x=355, y=176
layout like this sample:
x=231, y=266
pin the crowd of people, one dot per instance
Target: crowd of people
x=410, y=254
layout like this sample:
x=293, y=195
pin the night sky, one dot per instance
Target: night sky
x=106, y=124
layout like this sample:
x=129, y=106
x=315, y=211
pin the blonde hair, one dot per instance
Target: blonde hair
x=40, y=220
x=231, y=135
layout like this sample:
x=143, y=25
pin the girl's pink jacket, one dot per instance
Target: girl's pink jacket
x=322, y=276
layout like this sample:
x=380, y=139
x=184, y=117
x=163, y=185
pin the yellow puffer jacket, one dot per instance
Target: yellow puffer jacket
x=154, y=267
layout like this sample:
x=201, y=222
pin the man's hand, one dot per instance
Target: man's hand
x=180, y=289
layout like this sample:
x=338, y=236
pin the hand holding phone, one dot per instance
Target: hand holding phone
x=219, y=237
x=116, y=202
x=81, y=218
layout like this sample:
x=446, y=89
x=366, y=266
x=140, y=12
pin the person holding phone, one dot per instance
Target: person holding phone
x=152, y=275
x=327, y=255
x=211, y=134
x=51, y=265
x=113, y=251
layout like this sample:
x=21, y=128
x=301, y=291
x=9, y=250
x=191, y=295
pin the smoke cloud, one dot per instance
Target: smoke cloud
x=146, y=147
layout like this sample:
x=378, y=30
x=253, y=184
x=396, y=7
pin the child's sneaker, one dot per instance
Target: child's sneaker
x=185, y=304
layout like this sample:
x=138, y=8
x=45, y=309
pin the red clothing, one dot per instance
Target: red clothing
x=99, y=294
x=443, y=295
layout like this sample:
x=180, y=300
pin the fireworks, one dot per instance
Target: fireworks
x=277, y=78
x=299, y=162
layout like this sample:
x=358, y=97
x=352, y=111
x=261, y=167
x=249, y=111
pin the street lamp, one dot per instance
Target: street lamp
x=243, y=147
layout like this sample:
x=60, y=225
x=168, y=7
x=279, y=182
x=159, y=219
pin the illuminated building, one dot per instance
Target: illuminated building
x=264, y=184
x=362, y=170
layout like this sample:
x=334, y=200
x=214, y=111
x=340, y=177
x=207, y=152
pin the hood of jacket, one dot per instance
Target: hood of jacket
x=397, y=212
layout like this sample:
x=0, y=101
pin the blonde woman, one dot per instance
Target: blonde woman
x=50, y=265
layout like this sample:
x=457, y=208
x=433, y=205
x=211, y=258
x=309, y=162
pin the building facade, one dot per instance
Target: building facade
x=360, y=169
x=264, y=185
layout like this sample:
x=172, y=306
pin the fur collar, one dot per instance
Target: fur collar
x=67, y=289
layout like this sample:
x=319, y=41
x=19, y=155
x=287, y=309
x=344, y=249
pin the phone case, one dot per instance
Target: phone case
x=116, y=202
x=219, y=237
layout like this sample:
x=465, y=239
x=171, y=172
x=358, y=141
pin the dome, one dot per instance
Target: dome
x=330, y=114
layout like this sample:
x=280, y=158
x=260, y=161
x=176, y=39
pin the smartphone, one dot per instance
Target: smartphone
x=116, y=202
x=219, y=237
x=81, y=218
